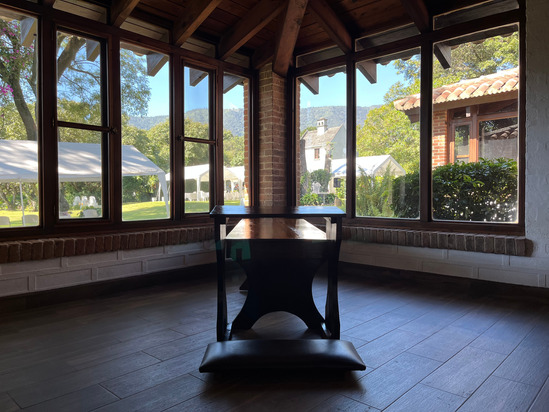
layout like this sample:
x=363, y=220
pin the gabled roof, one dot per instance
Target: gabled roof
x=313, y=139
x=369, y=166
x=500, y=83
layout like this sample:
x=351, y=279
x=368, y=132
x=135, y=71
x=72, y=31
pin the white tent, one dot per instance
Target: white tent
x=78, y=162
x=369, y=165
x=201, y=173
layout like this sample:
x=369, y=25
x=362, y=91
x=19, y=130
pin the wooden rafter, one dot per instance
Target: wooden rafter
x=121, y=10
x=258, y=17
x=419, y=14
x=331, y=23
x=196, y=11
x=287, y=36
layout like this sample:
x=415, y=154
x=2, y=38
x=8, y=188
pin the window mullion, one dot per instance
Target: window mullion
x=426, y=127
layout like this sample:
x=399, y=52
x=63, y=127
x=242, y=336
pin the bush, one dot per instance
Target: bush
x=479, y=191
x=374, y=194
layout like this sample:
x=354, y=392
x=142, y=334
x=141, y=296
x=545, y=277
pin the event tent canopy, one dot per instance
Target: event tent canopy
x=369, y=165
x=78, y=162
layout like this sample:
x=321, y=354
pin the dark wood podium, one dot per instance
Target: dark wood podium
x=280, y=253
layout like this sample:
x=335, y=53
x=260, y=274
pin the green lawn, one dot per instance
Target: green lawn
x=130, y=211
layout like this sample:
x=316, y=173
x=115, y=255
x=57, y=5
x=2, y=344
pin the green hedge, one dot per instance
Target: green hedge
x=478, y=191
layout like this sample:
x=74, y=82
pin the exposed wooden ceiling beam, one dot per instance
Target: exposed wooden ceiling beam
x=368, y=69
x=331, y=23
x=443, y=52
x=255, y=20
x=196, y=11
x=311, y=82
x=417, y=10
x=287, y=36
x=121, y=10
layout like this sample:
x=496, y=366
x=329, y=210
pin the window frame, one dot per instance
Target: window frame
x=426, y=42
x=49, y=21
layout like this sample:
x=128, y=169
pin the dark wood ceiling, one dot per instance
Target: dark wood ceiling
x=278, y=30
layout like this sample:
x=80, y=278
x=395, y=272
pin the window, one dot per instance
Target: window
x=236, y=110
x=19, y=184
x=198, y=139
x=82, y=132
x=387, y=136
x=475, y=154
x=145, y=86
x=322, y=143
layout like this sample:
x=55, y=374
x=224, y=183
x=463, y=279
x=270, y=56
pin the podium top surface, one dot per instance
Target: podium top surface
x=295, y=212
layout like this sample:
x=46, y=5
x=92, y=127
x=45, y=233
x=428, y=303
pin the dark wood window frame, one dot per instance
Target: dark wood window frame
x=49, y=21
x=425, y=42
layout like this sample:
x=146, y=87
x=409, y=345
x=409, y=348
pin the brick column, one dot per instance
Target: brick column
x=272, y=138
x=440, y=140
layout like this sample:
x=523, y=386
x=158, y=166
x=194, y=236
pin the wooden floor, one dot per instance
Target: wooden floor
x=427, y=348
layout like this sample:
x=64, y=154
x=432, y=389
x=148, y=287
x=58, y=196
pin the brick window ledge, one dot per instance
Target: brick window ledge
x=25, y=250
x=483, y=243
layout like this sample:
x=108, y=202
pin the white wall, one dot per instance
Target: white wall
x=534, y=270
x=41, y=275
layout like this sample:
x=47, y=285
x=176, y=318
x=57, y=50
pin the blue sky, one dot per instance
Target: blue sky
x=332, y=92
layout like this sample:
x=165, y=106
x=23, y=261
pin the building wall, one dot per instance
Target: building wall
x=532, y=270
x=41, y=275
x=440, y=140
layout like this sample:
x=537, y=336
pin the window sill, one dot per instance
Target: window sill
x=21, y=251
x=482, y=243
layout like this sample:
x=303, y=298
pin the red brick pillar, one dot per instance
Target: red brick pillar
x=440, y=139
x=272, y=138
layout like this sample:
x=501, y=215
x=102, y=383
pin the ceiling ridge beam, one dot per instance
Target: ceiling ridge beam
x=258, y=17
x=196, y=11
x=121, y=10
x=331, y=23
x=287, y=36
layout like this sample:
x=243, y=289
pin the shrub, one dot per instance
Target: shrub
x=478, y=191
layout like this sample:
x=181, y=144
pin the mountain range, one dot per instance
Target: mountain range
x=233, y=119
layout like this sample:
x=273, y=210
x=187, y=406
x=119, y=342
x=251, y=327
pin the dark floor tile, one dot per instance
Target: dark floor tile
x=377, y=327
x=86, y=399
x=7, y=404
x=387, y=347
x=423, y=398
x=541, y=402
x=160, y=397
x=444, y=344
x=498, y=394
x=465, y=372
x=50, y=389
x=389, y=382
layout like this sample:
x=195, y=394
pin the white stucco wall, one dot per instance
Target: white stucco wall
x=41, y=275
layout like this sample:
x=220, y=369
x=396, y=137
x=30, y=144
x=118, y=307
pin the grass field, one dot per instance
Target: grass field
x=130, y=211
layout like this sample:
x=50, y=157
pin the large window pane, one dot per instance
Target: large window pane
x=80, y=173
x=145, y=85
x=197, y=177
x=322, y=146
x=82, y=128
x=197, y=103
x=19, y=191
x=235, y=139
x=475, y=127
x=387, y=136
x=79, y=85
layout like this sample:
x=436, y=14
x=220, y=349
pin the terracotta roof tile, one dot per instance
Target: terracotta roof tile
x=501, y=82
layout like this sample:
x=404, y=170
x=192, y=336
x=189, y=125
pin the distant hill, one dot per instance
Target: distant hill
x=233, y=119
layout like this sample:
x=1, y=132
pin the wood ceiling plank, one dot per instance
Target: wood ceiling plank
x=256, y=19
x=287, y=36
x=331, y=23
x=121, y=10
x=196, y=11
